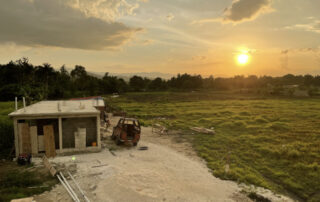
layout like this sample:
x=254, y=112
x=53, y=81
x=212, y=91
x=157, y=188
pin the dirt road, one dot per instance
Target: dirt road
x=164, y=172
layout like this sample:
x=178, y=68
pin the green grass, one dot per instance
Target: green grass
x=269, y=142
x=19, y=182
x=6, y=129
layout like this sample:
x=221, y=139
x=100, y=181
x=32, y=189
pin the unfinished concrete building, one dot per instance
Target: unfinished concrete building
x=55, y=127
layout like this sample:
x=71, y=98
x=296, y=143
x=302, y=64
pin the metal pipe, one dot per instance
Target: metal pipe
x=65, y=186
x=68, y=185
x=24, y=103
x=75, y=182
x=16, y=103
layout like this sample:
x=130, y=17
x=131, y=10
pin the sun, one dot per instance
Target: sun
x=243, y=58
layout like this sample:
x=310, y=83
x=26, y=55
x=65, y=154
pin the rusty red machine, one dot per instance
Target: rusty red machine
x=127, y=131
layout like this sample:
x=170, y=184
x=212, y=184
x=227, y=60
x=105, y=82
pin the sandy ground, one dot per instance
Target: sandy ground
x=167, y=171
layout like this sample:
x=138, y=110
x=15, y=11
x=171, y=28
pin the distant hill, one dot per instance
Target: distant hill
x=127, y=76
x=150, y=75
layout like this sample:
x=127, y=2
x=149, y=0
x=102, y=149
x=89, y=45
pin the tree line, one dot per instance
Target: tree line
x=22, y=79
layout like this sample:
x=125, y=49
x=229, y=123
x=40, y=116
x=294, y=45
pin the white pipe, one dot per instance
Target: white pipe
x=68, y=185
x=65, y=186
x=75, y=182
x=16, y=103
x=24, y=103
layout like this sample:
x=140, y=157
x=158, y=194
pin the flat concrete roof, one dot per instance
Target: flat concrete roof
x=60, y=108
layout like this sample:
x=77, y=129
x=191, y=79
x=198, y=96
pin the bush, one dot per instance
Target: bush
x=6, y=134
x=14, y=183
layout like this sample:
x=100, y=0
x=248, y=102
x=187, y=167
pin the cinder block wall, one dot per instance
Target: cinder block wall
x=71, y=125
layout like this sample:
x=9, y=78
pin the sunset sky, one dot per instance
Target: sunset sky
x=169, y=36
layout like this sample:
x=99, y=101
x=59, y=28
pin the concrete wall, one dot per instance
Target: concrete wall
x=71, y=125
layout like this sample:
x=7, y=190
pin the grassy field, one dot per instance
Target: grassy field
x=269, y=142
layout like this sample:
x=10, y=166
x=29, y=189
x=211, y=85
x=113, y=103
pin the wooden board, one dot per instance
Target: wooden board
x=24, y=138
x=34, y=139
x=47, y=164
x=29, y=199
x=20, y=137
x=49, y=143
x=40, y=143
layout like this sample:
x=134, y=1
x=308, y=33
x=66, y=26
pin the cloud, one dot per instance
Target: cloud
x=313, y=26
x=103, y=9
x=146, y=42
x=59, y=23
x=241, y=11
x=246, y=10
x=170, y=17
x=199, y=58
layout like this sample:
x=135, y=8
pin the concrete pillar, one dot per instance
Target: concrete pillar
x=60, y=134
x=98, y=132
x=16, y=137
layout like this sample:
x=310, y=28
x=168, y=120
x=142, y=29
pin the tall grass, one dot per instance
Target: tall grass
x=273, y=143
x=19, y=182
x=6, y=128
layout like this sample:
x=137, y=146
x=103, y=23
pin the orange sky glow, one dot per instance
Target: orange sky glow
x=194, y=36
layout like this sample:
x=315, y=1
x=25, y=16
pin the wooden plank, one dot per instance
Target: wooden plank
x=30, y=199
x=98, y=132
x=20, y=138
x=47, y=164
x=34, y=139
x=16, y=137
x=41, y=143
x=49, y=143
x=24, y=138
x=60, y=134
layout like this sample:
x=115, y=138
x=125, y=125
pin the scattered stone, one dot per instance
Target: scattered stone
x=93, y=187
x=143, y=148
